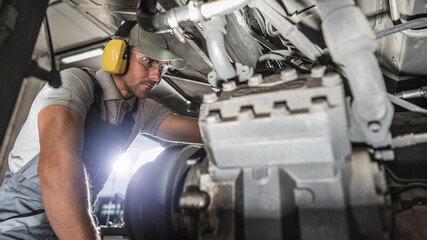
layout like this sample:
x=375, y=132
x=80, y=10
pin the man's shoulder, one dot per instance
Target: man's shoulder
x=77, y=80
x=70, y=75
x=76, y=92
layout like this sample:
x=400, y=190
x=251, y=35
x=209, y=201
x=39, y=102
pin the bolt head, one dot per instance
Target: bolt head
x=331, y=80
x=255, y=80
x=394, y=59
x=229, y=86
x=213, y=78
x=304, y=196
x=374, y=127
x=318, y=71
x=212, y=75
x=191, y=162
x=288, y=74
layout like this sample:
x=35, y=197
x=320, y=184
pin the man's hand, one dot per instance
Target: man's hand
x=182, y=129
x=63, y=179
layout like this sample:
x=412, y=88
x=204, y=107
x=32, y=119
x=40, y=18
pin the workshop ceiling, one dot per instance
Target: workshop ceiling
x=68, y=28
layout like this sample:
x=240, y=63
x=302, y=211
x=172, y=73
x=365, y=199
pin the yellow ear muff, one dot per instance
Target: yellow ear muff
x=114, y=58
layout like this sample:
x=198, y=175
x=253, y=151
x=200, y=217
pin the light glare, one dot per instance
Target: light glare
x=122, y=164
x=82, y=56
x=147, y=156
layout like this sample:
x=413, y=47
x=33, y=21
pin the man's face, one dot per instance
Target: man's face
x=142, y=75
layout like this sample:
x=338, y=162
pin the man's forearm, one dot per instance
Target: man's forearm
x=178, y=128
x=65, y=197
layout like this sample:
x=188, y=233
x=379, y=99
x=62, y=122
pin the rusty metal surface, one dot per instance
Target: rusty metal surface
x=411, y=224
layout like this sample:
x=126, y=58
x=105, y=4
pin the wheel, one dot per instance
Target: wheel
x=150, y=194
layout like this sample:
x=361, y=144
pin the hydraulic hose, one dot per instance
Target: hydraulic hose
x=220, y=7
x=409, y=140
x=214, y=31
x=416, y=23
x=394, y=10
x=414, y=93
x=352, y=43
x=405, y=104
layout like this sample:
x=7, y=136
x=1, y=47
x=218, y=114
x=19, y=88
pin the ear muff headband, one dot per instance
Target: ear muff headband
x=115, y=56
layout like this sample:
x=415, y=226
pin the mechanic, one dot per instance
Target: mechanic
x=66, y=148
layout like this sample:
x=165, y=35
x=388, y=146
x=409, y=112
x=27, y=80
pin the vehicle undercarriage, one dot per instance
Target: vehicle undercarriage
x=311, y=112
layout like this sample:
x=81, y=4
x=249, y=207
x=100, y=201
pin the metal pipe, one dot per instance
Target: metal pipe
x=214, y=31
x=194, y=201
x=394, y=11
x=184, y=96
x=146, y=15
x=409, y=140
x=406, y=105
x=416, y=23
x=220, y=7
x=187, y=80
x=183, y=16
x=414, y=93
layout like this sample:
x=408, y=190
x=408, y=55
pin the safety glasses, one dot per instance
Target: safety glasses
x=151, y=64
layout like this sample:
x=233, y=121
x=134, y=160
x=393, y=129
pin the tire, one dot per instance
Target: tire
x=150, y=194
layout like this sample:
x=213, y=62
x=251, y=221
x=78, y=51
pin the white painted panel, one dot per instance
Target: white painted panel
x=64, y=32
x=80, y=21
x=68, y=29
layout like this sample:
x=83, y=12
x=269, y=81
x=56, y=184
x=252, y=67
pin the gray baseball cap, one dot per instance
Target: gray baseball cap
x=154, y=46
